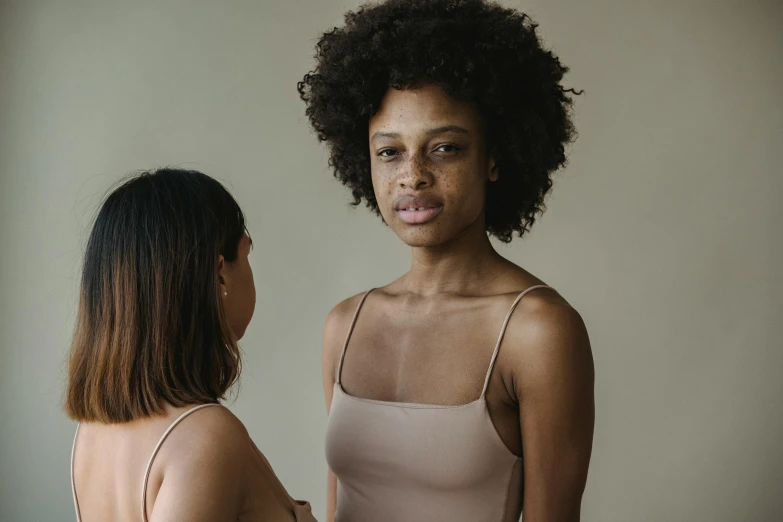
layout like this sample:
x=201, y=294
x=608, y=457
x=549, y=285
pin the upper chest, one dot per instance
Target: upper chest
x=435, y=351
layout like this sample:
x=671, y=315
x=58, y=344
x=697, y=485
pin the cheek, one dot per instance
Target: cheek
x=382, y=188
x=244, y=293
x=379, y=176
x=465, y=190
x=251, y=289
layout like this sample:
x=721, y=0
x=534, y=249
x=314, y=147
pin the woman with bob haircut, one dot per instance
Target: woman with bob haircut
x=166, y=294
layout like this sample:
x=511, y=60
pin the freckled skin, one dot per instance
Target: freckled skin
x=428, y=336
x=453, y=165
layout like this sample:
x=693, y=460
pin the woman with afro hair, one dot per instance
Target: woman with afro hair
x=462, y=391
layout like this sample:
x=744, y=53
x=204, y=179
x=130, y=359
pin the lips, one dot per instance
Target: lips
x=417, y=210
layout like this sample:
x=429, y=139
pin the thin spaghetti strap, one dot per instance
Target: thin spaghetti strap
x=155, y=452
x=73, y=484
x=503, y=332
x=350, y=331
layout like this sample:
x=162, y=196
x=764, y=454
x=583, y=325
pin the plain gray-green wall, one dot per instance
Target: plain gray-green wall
x=664, y=230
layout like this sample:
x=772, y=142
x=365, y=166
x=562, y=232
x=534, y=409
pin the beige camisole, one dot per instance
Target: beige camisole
x=403, y=462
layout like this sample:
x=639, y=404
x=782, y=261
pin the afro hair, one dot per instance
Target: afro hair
x=478, y=51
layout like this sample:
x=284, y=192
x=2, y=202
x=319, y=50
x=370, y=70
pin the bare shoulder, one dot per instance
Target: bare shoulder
x=338, y=321
x=342, y=313
x=204, y=468
x=546, y=341
x=211, y=436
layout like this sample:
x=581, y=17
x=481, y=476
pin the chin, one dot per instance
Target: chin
x=421, y=237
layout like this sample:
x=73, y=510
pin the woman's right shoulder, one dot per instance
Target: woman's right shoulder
x=338, y=321
x=340, y=316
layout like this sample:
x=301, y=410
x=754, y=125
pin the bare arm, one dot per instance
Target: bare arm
x=204, y=471
x=553, y=381
x=328, y=378
x=337, y=324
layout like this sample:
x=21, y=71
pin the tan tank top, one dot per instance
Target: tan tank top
x=301, y=509
x=399, y=462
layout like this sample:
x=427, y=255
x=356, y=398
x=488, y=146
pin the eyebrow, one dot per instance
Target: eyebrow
x=431, y=132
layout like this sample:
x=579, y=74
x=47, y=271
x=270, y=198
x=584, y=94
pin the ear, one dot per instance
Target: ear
x=493, y=170
x=222, y=273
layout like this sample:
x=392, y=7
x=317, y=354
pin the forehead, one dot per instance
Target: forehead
x=414, y=111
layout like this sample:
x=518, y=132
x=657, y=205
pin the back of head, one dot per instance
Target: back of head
x=151, y=328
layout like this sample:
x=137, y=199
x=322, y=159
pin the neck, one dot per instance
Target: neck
x=462, y=265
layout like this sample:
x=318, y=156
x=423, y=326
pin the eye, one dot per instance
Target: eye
x=387, y=153
x=447, y=147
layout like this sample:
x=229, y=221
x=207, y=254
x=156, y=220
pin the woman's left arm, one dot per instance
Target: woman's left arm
x=553, y=378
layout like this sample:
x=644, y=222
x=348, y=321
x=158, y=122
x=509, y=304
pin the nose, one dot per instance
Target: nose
x=414, y=174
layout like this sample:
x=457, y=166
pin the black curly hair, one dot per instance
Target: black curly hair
x=474, y=50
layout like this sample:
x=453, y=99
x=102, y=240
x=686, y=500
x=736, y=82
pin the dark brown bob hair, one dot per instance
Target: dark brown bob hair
x=151, y=329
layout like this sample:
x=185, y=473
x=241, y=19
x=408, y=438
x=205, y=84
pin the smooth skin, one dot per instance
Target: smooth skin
x=207, y=470
x=428, y=337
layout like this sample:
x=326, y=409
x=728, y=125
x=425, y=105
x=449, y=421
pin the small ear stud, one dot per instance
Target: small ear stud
x=225, y=294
